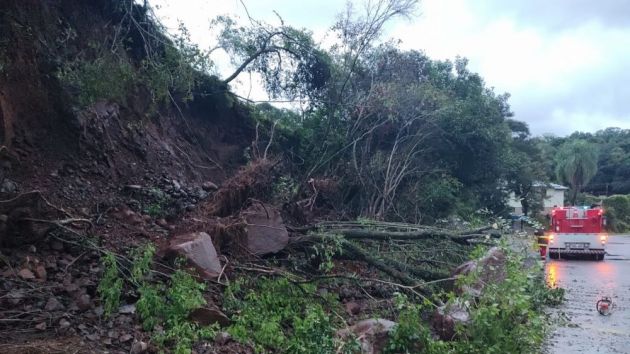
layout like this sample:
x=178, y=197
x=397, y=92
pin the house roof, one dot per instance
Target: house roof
x=555, y=186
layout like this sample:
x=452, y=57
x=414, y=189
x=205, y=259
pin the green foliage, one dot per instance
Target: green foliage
x=169, y=306
x=325, y=250
x=286, y=57
x=617, y=208
x=107, y=77
x=142, y=259
x=176, y=70
x=276, y=315
x=507, y=318
x=150, y=63
x=613, y=162
x=410, y=335
x=439, y=196
x=576, y=164
x=284, y=189
x=160, y=305
x=110, y=286
x=157, y=202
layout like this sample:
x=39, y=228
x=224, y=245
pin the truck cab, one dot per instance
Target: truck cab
x=577, y=231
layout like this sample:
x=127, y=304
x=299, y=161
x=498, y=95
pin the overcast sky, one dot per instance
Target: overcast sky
x=564, y=62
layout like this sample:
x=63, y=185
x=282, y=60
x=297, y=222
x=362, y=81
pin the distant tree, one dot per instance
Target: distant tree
x=287, y=58
x=525, y=167
x=576, y=164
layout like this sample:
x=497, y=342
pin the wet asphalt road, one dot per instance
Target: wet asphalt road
x=585, y=282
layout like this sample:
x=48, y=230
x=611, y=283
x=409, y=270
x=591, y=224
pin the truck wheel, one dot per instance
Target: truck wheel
x=554, y=255
x=599, y=257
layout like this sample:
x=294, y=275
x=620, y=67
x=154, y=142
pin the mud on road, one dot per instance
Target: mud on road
x=581, y=328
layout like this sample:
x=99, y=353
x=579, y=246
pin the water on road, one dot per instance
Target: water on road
x=585, y=282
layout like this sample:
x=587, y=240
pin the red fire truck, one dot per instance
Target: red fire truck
x=577, y=231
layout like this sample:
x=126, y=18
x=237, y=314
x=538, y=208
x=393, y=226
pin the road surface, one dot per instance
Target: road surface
x=585, y=282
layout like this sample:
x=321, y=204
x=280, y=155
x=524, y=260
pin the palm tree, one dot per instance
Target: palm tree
x=576, y=164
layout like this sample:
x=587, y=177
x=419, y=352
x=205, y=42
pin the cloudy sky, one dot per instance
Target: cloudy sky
x=563, y=61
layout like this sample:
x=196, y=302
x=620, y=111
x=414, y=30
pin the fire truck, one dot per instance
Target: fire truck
x=577, y=231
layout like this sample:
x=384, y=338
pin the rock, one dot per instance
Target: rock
x=99, y=311
x=372, y=334
x=162, y=223
x=139, y=347
x=222, y=338
x=127, y=309
x=129, y=216
x=71, y=288
x=41, y=326
x=8, y=186
x=26, y=274
x=209, y=186
x=125, y=338
x=198, y=249
x=53, y=304
x=352, y=308
x=206, y=316
x=265, y=229
x=447, y=318
x=40, y=272
x=15, y=296
x=84, y=302
x=63, y=323
x=491, y=268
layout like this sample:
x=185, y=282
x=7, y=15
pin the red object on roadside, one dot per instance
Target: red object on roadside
x=577, y=231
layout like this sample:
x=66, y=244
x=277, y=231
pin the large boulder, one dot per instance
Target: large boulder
x=490, y=269
x=372, y=334
x=264, y=229
x=198, y=249
x=447, y=318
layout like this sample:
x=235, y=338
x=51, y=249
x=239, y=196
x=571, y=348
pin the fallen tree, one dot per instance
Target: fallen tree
x=365, y=241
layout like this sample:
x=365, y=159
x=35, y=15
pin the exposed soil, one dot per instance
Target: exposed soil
x=74, y=181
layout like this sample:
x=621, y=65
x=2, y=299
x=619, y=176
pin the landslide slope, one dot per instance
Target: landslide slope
x=105, y=130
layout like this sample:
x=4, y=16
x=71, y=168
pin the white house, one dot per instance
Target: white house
x=553, y=196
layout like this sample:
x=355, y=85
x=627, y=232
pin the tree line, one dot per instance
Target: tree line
x=404, y=136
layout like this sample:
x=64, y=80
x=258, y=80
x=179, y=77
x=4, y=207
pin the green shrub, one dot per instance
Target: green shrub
x=617, y=209
x=507, y=318
x=163, y=305
x=110, y=286
x=276, y=315
x=410, y=335
x=108, y=77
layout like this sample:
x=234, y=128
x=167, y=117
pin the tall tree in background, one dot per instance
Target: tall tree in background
x=576, y=164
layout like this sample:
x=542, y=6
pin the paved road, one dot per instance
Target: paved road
x=585, y=331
